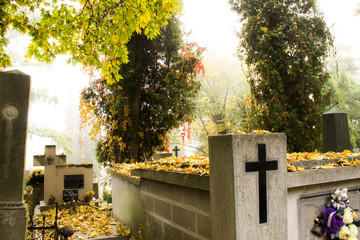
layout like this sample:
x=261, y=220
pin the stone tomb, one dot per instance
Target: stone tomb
x=248, y=195
x=64, y=181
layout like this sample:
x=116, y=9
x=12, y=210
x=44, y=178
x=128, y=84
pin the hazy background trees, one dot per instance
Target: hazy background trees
x=284, y=45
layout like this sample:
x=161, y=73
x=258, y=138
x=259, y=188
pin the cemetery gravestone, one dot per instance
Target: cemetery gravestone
x=176, y=150
x=336, y=136
x=14, y=104
x=64, y=181
x=247, y=184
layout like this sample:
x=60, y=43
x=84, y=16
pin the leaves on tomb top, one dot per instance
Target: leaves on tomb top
x=347, y=158
x=306, y=156
x=185, y=165
x=258, y=131
x=200, y=165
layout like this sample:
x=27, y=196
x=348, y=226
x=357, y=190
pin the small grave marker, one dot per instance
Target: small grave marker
x=176, y=150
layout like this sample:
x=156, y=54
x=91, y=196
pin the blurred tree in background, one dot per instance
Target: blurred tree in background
x=284, y=44
x=345, y=81
x=221, y=105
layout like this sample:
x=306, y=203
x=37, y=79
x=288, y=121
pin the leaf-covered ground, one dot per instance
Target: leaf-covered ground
x=200, y=165
x=88, y=222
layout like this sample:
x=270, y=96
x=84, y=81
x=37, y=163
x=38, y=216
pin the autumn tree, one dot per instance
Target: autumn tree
x=155, y=94
x=93, y=32
x=284, y=44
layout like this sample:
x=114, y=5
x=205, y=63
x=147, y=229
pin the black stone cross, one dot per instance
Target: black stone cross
x=262, y=166
x=176, y=150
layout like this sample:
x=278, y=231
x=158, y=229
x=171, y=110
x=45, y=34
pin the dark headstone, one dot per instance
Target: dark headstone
x=96, y=190
x=14, y=105
x=336, y=136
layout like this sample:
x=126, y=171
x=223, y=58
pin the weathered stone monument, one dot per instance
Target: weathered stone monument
x=336, y=136
x=14, y=104
x=64, y=181
x=247, y=184
x=158, y=156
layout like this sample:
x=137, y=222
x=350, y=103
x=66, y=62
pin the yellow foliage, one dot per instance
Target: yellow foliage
x=88, y=220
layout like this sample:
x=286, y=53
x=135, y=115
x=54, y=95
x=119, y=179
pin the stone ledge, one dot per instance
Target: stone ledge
x=308, y=164
x=124, y=177
x=181, y=179
x=319, y=176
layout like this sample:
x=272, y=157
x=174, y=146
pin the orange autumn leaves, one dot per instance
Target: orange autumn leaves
x=347, y=158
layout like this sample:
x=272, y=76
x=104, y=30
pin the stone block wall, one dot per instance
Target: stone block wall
x=177, y=212
x=167, y=209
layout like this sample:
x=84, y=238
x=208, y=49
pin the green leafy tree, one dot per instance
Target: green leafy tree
x=93, y=32
x=155, y=94
x=284, y=44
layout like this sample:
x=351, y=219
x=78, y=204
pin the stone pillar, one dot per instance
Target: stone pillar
x=248, y=186
x=336, y=136
x=14, y=104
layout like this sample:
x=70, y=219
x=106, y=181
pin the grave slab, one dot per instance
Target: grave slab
x=247, y=184
x=14, y=104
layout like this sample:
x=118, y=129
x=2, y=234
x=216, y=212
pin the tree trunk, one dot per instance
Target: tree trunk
x=134, y=104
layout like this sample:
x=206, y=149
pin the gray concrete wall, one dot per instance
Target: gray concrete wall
x=166, y=209
x=126, y=201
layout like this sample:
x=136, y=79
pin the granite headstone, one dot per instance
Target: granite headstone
x=14, y=105
x=336, y=136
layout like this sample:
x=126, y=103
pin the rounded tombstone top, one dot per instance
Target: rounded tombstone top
x=333, y=111
x=10, y=111
x=66, y=231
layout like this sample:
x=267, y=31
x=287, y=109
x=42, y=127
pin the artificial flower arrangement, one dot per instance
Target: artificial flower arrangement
x=338, y=220
x=36, y=177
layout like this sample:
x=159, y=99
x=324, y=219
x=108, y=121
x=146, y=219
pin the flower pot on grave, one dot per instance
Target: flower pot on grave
x=51, y=202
